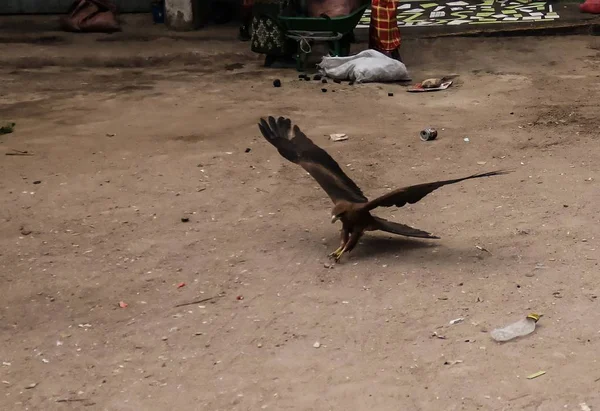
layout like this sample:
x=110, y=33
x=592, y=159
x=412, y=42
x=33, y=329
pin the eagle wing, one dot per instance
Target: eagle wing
x=412, y=194
x=296, y=147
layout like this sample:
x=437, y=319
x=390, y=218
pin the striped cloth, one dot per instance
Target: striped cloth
x=384, y=34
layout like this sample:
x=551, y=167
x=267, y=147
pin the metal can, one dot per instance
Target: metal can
x=428, y=134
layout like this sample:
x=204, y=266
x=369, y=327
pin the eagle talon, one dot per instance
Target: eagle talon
x=338, y=255
x=335, y=253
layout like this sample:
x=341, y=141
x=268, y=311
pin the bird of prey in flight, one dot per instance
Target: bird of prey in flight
x=350, y=204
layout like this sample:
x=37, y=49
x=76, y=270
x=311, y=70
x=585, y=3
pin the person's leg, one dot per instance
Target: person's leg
x=384, y=35
x=246, y=20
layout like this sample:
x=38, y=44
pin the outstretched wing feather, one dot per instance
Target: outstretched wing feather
x=412, y=194
x=296, y=147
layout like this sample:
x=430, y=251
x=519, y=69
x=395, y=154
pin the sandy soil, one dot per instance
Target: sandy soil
x=131, y=136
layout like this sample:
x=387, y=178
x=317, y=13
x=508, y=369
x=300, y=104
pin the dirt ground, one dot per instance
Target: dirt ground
x=130, y=136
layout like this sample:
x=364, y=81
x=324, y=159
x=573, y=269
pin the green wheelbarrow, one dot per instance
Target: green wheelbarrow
x=338, y=32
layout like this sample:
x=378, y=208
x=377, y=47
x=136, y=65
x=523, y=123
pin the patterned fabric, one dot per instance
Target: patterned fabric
x=268, y=37
x=384, y=34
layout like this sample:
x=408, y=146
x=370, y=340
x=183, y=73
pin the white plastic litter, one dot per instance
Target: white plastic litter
x=364, y=67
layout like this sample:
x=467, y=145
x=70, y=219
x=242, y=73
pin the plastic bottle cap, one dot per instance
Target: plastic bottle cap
x=534, y=317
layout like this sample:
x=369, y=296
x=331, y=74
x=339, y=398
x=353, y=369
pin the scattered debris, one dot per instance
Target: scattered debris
x=85, y=400
x=535, y=375
x=276, y=83
x=521, y=328
x=15, y=152
x=338, y=137
x=457, y=320
x=480, y=248
x=199, y=301
x=436, y=335
x=185, y=219
x=431, y=84
x=317, y=344
x=453, y=362
x=428, y=134
x=180, y=285
x=7, y=128
x=123, y=304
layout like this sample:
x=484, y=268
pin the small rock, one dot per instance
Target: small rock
x=165, y=338
x=306, y=78
x=239, y=297
x=123, y=304
x=351, y=83
x=390, y=94
x=327, y=265
x=301, y=76
x=32, y=385
x=317, y=77
x=466, y=139
x=247, y=150
x=324, y=81
x=317, y=344
x=185, y=219
x=324, y=90
x=37, y=182
x=337, y=81
x=259, y=345
x=276, y=83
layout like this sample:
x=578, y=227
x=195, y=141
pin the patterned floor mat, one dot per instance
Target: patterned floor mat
x=454, y=13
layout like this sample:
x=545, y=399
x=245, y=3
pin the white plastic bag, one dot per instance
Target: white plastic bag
x=364, y=67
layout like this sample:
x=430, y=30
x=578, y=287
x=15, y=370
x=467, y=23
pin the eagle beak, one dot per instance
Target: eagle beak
x=334, y=218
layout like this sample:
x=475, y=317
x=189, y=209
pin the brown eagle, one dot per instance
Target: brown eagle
x=350, y=204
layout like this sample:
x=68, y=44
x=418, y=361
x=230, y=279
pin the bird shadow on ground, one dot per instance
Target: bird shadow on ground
x=410, y=249
x=390, y=246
